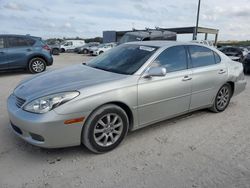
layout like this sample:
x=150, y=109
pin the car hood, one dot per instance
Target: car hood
x=67, y=79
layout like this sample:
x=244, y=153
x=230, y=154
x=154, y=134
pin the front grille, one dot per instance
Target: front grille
x=19, y=102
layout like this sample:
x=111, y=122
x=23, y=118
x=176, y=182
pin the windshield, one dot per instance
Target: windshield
x=124, y=59
x=129, y=38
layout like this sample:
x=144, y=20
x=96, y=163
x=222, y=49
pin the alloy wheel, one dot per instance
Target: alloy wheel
x=38, y=66
x=223, y=98
x=108, y=129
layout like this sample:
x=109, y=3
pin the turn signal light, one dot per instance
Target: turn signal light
x=76, y=120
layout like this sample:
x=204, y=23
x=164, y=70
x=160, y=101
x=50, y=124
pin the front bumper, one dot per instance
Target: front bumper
x=49, y=61
x=95, y=53
x=44, y=130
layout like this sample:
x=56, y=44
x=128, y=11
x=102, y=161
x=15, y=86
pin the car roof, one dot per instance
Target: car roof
x=149, y=33
x=15, y=35
x=164, y=43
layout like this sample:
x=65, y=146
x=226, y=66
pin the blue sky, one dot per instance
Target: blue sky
x=88, y=18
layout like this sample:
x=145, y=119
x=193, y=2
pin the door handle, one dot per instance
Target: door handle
x=28, y=49
x=1, y=52
x=186, y=78
x=221, y=71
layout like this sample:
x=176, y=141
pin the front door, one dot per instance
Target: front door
x=162, y=97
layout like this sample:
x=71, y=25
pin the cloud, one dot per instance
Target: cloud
x=14, y=6
x=88, y=18
x=67, y=25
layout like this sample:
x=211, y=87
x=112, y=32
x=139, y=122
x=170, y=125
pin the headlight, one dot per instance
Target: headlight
x=47, y=103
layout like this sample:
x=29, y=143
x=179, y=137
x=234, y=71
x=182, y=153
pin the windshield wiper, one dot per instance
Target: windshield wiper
x=101, y=68
x=109, y=70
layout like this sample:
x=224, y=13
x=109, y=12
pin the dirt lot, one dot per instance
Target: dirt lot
x=201, y=149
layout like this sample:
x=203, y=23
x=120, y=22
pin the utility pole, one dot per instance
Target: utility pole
x=197, y=21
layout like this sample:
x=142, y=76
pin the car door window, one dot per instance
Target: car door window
x=17, y=42
x=1, y=43
x=217, y=58
x=173, y=59
x=201, y=56
x=30, y=41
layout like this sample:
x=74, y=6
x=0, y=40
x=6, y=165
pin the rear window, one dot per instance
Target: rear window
x=1, y=43
x=201, y=56
x=20, y=42
x=30, y=42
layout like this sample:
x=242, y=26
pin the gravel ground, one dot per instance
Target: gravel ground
x=201, y=149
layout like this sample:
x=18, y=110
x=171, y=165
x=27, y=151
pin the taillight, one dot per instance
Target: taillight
x=46, y=47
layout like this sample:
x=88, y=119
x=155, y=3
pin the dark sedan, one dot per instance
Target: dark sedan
x=246, y=63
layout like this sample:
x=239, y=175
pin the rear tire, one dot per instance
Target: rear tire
x=37, y=65
x=222, y=98
x=62, y=50
x=85, y=51
x=105, y=129
x=55, y=51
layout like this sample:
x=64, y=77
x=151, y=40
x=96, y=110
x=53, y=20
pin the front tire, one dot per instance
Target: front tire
x=222, y=98
x=37, y=65
x=105, y=129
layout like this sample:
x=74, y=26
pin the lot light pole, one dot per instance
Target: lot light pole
x=197, y=20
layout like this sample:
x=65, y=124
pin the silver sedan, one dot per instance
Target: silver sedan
x=131, y=86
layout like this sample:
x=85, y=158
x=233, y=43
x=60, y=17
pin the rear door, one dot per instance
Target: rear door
x=3, y=54
x=19, y=48
x=208, y=73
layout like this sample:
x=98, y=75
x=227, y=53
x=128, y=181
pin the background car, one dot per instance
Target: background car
x=103, y=48
x=235, y=53
x=24, y=52
x=147, y=35
x=246, y=63
x=86, y=48
x=205, y=42
x=55, y=48
x=70, y=45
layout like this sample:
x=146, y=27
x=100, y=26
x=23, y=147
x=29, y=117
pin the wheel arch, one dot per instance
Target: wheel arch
x=122, y=105
x=37, y=56
x=232, y=86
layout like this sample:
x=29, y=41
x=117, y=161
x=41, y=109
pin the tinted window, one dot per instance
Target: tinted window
x=201, y=56
x=217, y=58
x=1, y=43
x=124, y=59
x=17, y=42
x=30, y=41
x=174, y=59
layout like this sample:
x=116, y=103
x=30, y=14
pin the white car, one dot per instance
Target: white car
x=103, y=48
x=71, y=45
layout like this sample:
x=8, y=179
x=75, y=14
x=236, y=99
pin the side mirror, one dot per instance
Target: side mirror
x=155, y=71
